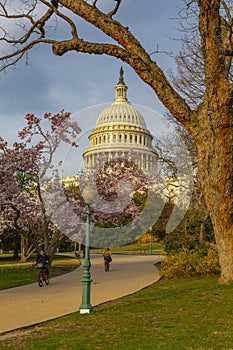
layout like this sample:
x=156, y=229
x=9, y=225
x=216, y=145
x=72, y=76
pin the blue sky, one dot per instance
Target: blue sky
x=76, y=82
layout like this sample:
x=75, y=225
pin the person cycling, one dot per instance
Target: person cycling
x=43, y=259
x=107, y=258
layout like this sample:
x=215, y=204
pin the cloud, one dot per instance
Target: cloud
x=76, y=81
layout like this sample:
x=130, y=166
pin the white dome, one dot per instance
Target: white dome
x=121, y=113
x=119, y=131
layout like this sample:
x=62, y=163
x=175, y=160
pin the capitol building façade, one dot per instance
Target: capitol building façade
x=120, y=132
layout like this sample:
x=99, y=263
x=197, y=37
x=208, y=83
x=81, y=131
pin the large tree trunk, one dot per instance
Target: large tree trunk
x=215, y=154
x=212, y=131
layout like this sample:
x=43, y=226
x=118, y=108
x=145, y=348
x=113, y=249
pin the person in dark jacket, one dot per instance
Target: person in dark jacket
x=43, y=258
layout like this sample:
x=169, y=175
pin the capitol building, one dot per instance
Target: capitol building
x=121, y=132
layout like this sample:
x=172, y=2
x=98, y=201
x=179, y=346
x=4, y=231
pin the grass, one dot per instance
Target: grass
x=185, y=314
x=135, y=248
x=15, y=273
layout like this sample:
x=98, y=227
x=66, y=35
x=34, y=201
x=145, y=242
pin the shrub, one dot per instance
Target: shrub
x=189, y=263
x=176, y=241
x=146, y=238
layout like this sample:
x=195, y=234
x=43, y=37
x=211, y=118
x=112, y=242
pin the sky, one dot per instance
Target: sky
x=84, y=84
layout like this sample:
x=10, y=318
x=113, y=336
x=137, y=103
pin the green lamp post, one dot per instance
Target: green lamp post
x=88, y=196
x=150, y=240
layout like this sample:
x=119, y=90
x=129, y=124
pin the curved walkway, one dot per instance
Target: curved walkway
x=27, y=305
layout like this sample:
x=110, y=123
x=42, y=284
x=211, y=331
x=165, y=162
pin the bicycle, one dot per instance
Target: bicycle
x=43, y=277
x=107, y=260
x=106, y=265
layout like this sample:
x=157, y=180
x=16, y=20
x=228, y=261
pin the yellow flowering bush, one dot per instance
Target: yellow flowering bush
x=189, y=263
x=146, y=238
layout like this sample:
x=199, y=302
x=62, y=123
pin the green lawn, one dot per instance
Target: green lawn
x=14, y=273
x=190, y=314
x=135, y=248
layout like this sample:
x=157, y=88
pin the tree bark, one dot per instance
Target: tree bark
x=215, y=154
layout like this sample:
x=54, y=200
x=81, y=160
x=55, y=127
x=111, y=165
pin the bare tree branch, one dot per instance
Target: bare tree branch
x=114, y=11
x=18, y=54
x=128, y=49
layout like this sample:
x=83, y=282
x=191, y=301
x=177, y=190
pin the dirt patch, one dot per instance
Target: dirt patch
x=16, y=338
x=16, y=334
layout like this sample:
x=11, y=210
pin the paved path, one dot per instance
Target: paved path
x=30, y=304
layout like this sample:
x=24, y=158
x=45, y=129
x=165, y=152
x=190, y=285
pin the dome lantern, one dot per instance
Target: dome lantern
x=121, y=89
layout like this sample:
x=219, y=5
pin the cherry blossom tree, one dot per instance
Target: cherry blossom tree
x=18, y=167
x=22, y=169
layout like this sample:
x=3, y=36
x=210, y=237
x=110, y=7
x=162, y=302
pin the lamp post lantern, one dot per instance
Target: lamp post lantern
x=88, y=196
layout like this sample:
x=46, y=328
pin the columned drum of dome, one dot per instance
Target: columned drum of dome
x=121, y=132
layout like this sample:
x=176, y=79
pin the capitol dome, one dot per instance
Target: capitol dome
x=121, y=111
x=120, y=129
